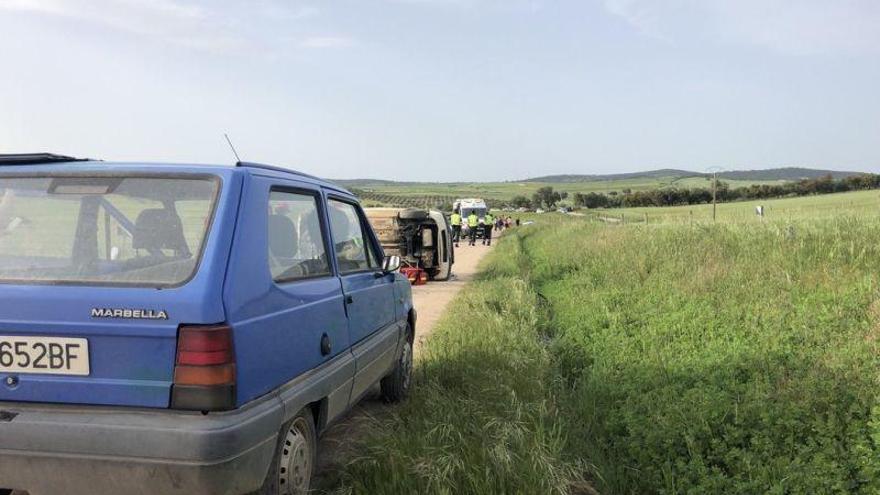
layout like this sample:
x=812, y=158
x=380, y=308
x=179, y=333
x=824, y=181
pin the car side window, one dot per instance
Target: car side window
x=348, y=237
x=375, y=261
x=296, y=243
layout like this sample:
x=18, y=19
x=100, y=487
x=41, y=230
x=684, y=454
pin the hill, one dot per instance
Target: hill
x=772, y=174
x=785, y=173
x=665, y=173
x=390, y=192
x=365, y=183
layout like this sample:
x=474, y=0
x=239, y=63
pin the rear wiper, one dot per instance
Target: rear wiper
x=36, y=158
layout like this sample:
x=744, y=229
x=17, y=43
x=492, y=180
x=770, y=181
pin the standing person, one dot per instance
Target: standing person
x=488, y=225
x=508, y=222
x=473, y=223
x=517, y=222
x=455, y=220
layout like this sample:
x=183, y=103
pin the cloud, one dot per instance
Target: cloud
x=644, y=16
x=792, y=27
x=170, y=21
x=204, y=26
x=526, y=5
x=328, y=42
x=438, y=2
x=285, y=11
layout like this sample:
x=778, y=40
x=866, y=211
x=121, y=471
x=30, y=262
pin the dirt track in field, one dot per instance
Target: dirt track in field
x=431, y=302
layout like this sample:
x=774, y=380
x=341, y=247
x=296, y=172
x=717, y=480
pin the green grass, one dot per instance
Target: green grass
x=667, y=358
x=482, y=419
x=723, y=359
x=785, y=209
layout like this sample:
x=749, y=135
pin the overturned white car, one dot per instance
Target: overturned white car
x=421, y=238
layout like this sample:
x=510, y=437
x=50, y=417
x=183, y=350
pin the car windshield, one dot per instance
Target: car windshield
x=142, y=231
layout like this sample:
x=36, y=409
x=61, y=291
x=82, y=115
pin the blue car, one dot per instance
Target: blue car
x=185, y=329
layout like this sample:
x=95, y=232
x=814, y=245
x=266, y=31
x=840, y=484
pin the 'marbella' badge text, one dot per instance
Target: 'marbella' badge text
x=126, y=313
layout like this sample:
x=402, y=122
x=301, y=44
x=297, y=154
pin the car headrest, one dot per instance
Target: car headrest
x=157, y=229
x=282, y=236
x=339, y=223
x=312, y=227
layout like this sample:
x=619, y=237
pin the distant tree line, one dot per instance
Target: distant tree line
x=544, y=197
x=691, y=196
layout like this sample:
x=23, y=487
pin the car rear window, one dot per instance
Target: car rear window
x=141, y=230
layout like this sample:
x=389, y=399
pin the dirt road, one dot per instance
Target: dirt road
x=430, y=301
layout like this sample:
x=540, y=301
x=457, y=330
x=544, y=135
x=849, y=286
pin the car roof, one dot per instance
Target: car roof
x=152, y=167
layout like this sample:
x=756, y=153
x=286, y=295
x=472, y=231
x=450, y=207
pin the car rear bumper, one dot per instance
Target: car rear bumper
x=48, y=449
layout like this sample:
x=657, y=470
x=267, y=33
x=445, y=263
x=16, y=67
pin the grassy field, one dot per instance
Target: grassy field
x=736, y=357
x=421, y=192
x=786, y=209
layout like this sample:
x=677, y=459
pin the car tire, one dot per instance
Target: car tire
x=444, y=275
x=448, y=274
x=395, y=387
x=293, y=466
x=413, y=214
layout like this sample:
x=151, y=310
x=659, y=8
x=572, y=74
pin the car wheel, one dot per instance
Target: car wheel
x=294, y=463
x=395, y=386
x=413, y=214
x=446, y=273
x=443, y=275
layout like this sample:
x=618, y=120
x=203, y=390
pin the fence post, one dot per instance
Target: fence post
x=646, y=218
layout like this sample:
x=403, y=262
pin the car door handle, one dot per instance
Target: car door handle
x=349, y=300
x=326, y=348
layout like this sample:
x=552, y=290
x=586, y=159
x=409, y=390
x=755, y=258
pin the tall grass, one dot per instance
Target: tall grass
x=738, y=358
x=482, y=418
x=718, y=359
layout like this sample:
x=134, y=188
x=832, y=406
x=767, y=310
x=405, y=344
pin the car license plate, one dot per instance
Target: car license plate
x=49, y=355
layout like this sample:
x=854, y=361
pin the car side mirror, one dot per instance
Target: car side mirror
x=391, y=264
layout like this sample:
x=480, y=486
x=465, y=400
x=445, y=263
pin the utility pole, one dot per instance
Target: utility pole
x=714, y=188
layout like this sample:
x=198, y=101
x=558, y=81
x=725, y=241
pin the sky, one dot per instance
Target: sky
x=446, y=90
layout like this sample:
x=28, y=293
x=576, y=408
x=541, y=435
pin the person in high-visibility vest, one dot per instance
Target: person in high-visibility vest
x=455, y=220
x=488, y=224
x=473, y=224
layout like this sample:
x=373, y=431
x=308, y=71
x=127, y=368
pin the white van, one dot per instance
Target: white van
x=467, y=206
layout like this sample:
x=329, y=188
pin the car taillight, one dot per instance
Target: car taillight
x=204, y=373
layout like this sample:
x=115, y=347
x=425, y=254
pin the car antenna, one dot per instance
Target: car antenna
x=237, y=159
